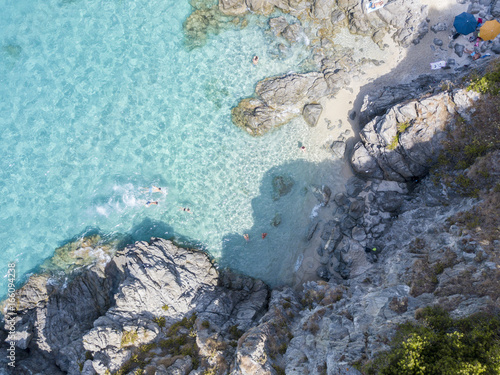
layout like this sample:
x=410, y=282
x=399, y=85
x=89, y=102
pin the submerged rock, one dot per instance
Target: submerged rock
x=311, y=113
x=282, y=185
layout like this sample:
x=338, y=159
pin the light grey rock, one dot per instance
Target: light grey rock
x=278, y=25
x=438, y=42
x=341, y=199
x=338, y=148
x=86, y=312
x=322, y=194
x=406, y=141
x=311, y=113
x=356, y=209
x=474, y=8
x=496, y=47
x=459, y=49
x=311, y=228
x=338, y=17
x=322, y=9
x=495, y=8
x=279, y=100
x=293, y=33
x=358, y=234
x=389, y=201
x=440, y=26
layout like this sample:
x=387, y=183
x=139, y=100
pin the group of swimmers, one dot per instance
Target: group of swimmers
x=155, y=189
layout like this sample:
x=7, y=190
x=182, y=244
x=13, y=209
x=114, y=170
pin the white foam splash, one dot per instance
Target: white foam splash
x=314, y=211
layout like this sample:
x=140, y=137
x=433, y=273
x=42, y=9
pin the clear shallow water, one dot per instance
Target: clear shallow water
x=99, y=99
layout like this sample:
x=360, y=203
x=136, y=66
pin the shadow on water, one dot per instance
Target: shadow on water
x=285, y=219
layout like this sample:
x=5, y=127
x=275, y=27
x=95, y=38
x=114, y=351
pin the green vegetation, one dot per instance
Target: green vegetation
x=402, y=126
x=440, y=345
x=205, y=324
x=235, y=332
x=160, y=320
x=487, y=84
x=394, y=143
x=279, y=370
x=128, y=338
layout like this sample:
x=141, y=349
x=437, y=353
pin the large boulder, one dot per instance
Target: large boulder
x=278, y=100
x=104, y=311
x=406, y=141
x=311, y=113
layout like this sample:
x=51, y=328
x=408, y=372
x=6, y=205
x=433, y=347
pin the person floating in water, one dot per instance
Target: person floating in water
x=264, y=235
x=255, y=60
x=154, y=189
x=246, y=237
x=149, y=203
x=185, y=209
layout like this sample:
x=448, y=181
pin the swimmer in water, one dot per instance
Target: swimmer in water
x=264, y=235
x=154, y=189
x=246, y=237
x=255, y=60
x=185, y=209
x=149, y=203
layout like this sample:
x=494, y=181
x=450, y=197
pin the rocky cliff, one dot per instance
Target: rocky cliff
x=394, y=244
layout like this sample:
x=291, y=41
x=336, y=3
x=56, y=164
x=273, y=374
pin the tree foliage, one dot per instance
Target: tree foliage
x=440, y=345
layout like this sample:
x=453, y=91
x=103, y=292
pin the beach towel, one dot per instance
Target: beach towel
x=372, y=6
x=438, y=65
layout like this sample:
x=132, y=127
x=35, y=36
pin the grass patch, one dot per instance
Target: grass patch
x=487, y=84
x=128, y=338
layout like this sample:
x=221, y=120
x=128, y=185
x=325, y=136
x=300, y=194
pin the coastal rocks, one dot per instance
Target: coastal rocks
x=441, y=26
x=459, y=49
x=406, y=141
x=108, y=312
x=271, y=107
x=311, y=113
x=292, y=33
x=278, y=25
x=322, y=194
x=495, y=8
x=278, y=100
x=282, y=185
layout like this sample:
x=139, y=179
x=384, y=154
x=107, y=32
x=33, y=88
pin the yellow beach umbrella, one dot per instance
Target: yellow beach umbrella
x=489, y=30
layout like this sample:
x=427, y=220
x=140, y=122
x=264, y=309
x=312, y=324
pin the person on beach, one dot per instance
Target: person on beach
x=185, y=209
x=149, y=203
x=255, y=60
x=246, y=237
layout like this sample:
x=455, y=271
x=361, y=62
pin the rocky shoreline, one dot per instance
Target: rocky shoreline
x=387, y=252
x=387, y=249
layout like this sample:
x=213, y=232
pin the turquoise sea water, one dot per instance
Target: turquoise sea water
x=99, y=99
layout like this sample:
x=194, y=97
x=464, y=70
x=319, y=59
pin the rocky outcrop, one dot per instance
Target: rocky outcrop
x=100, y=317
x=279, y=100
x=406, y=141
x=271, y=107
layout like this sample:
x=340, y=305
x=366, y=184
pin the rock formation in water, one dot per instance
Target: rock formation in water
x=279, y=99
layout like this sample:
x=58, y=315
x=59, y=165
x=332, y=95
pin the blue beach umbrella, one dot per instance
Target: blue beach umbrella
x=465, y=23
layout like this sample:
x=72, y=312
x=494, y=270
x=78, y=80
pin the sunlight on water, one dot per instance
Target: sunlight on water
x=99, y=100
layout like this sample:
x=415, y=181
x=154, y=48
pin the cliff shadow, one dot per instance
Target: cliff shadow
x=413, y=77
x=288, y=206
